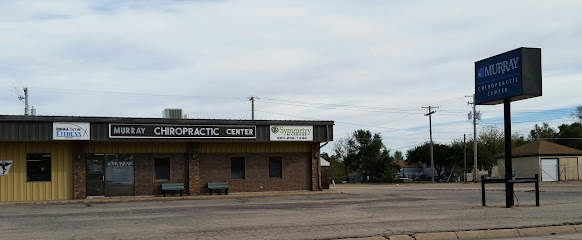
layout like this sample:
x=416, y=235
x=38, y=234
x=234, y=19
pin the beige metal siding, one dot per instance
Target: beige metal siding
x=14, y=187
x=524, y=167
x=134, y=147
x=282, y=147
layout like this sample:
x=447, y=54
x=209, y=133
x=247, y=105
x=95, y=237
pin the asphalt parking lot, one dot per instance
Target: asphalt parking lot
x=356, y=210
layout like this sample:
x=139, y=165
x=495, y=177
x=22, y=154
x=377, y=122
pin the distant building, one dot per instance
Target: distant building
x=553, y=162
x=414, y=171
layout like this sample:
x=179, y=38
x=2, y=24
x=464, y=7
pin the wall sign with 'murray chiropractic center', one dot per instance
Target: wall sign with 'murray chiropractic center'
x=180, y=131
x=514, y=75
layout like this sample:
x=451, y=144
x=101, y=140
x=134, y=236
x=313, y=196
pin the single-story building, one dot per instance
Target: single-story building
x=553, y=162
x=412, y=171
x=61, y=157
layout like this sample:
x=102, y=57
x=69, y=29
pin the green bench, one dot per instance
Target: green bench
x=218, y=185
x=173, y=187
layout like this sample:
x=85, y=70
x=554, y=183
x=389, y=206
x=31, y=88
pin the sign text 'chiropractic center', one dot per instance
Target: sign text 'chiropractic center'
x=179, y=131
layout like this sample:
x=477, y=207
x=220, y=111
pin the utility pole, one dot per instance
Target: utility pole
x=26, y=112
x=25, y=98
x=252, y=99
x=464, y=158
x=475, y=173
x=429, y=114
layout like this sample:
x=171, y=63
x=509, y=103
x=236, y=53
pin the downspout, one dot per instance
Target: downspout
x=319, y=164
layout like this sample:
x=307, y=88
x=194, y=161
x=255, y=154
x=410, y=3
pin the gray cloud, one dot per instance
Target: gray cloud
x=383, y=54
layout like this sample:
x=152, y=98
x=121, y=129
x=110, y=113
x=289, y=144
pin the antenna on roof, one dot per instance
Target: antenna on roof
x=25, y=98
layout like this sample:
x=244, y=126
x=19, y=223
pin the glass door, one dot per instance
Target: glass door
x=95, y=175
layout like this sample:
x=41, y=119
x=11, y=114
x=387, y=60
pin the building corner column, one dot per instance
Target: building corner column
x=194, y=187
x=315, y=186
x=79, y=171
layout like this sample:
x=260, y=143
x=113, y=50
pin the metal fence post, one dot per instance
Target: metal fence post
x=537, y=190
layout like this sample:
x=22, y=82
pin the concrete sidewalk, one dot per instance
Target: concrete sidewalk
x=168, y=198
x=493, y=234
x=552, y=232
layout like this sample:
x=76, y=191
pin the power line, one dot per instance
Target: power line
x=131, y=94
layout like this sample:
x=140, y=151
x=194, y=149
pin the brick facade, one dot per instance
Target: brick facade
x=195, y=170
x=145, y=183
x=79, y=172
x=215, y=167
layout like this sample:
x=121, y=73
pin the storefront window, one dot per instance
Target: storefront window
x=38, y=167
x=275, y=167
x=119, y=169
x=237, y=168
x=162, y=169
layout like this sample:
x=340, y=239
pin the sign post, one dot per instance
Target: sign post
x=507, y=77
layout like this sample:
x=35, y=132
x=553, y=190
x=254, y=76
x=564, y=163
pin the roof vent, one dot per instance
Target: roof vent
x=174, y=113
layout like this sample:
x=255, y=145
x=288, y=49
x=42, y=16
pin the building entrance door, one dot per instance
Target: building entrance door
x=95, y=176
x=110, y=175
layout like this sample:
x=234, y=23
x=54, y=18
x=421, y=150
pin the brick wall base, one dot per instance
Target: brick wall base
x=145, y=182
x=215, y=167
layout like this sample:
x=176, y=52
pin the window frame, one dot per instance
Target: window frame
x=169, y=169
x=244, y=170
x=43, y=158
x=269, y=167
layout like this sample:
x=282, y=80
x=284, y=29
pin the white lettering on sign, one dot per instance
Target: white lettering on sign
x=501, y=67
x=129, y=130
x=239, y=132
x=180, y=131
x=186, y=131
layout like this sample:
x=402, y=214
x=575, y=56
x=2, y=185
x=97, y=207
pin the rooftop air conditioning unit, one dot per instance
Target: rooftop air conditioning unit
x=174, y=113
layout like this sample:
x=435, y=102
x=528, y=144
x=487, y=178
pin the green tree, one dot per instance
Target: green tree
x=365, y=154
x=443, y=156
x=570, y=135
x=578, y=114
x=490, y=143
x=518, y=140
x=544, y=131
x=337, y=169
x=398, y=155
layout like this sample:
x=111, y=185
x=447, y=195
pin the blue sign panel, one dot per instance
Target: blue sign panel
x=499, y=77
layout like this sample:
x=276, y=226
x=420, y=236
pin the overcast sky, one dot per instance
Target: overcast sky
x=363, y=64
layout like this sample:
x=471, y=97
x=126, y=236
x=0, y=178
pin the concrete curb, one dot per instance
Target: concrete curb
x=170, y=198
x=401, y=237
x=487, y=234
x=492, y=234
x=435, y=236
x=366, y=238
x=544, y=231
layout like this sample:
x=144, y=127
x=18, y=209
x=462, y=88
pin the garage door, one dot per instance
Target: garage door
x=549, y=170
